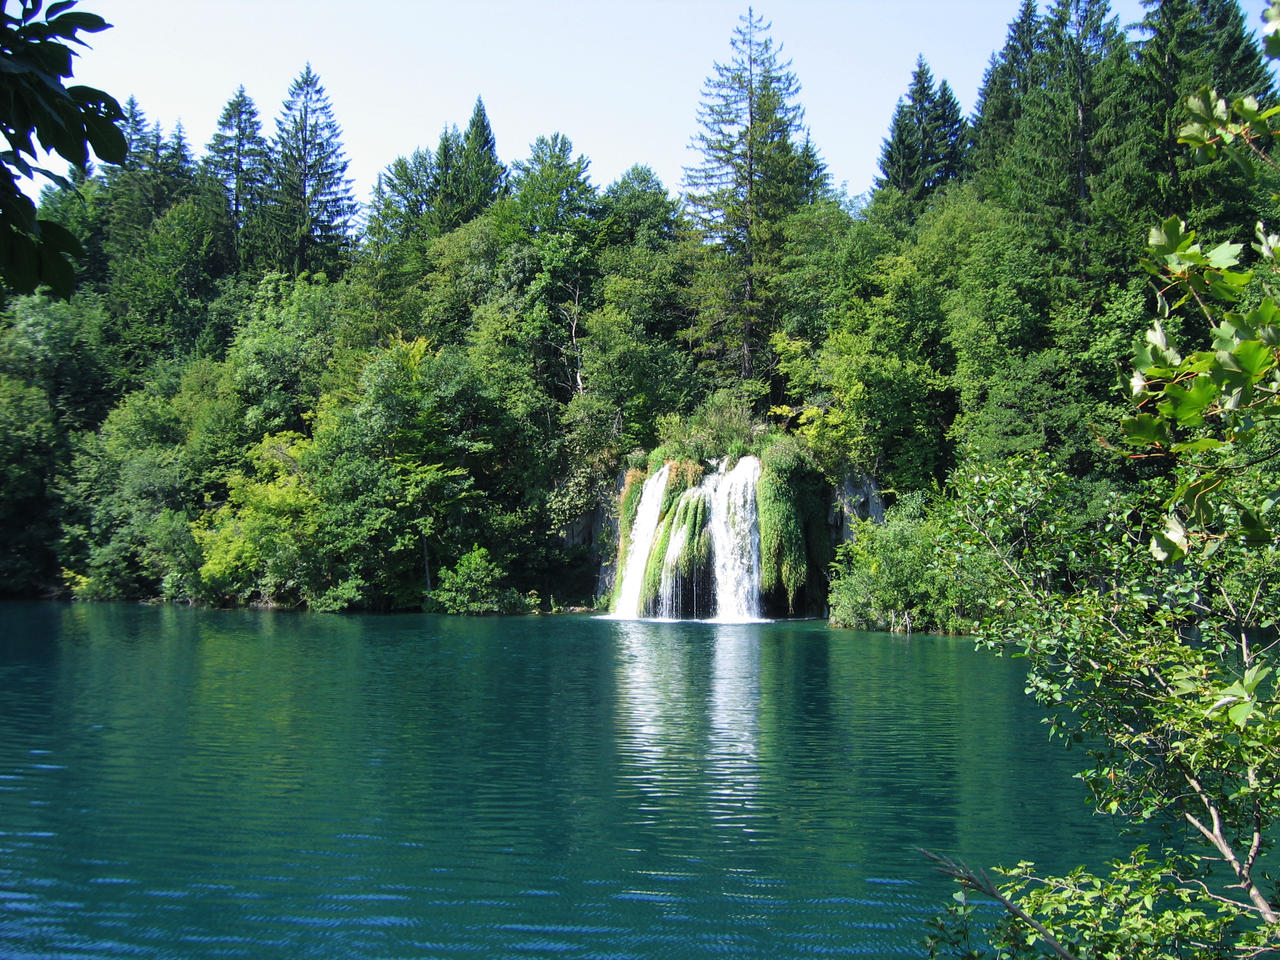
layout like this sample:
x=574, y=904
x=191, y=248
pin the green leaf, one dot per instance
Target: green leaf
x=1145, y=430
x=1198, y=497
x=1254, y=357
x=1224, y=255
x=1239, y=713
x=1172, y=543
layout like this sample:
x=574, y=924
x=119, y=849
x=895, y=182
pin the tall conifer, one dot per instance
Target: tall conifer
x=1005, y=87
x=237, y=157
x=483, y=175
x=312, y=204
x=925, y=147
x=753, y=174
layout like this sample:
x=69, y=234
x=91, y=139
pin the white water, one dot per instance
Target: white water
x=735, y=545
x=669, y=588
x=735, y=540
x=643, y=529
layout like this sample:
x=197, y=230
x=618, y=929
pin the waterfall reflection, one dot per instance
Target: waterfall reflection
x=734, y=739
x=689, y=726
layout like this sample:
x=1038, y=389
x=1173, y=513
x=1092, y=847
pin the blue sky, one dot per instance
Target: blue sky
x=621, y=78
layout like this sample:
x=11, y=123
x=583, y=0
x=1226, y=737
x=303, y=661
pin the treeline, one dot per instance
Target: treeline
x=256, y=395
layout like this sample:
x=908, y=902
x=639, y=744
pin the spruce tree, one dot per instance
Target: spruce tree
x=1005, y=87
x=754, y=173
x=312, y=207
x=1064, y=137
x=927, y=136
x=237, y=157
x=136, y=131
x=447, y=184
x=949, y=136
x=482, y=174
x=1189, y=44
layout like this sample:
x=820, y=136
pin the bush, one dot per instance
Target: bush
x=474, y=586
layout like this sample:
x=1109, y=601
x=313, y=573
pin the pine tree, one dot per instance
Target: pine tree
x=136, y=131
x=949, y=136
x=175, y=159
x=1005, y=87
x=237, y=157
x=312, y=205
x=902, y=156
x=927, y=136
x=1064, y=137
x=1189, y=44
x=447, y=187
x=483, y=176
x=753, y=175
x=403, y=198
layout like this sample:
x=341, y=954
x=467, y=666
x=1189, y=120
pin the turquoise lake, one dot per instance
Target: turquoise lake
x=180, y=783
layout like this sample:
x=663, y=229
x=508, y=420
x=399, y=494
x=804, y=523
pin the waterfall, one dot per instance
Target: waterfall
x=699, y=559
x=676, y=564
x=643, y=529
x=735, y=540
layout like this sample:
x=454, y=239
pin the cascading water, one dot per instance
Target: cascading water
x=643, y=529
x=699, y=559
x=735, y=540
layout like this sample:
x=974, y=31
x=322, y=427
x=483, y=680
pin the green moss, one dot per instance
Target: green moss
x=652, y=584
x=628, y=505
x=789, y=508
x=684, y=475
x=692, y=516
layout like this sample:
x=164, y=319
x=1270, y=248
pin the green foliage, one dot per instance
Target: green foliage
x=474, y=586
x=28, y=460
x=791, y=516
x=261, y=544
x=720, y=426
x=1151, y=635
x=886, y=576
x=754, y=173
x=312, y=208
x=925, y=147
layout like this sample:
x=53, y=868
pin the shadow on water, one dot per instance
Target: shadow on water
x=258, y=784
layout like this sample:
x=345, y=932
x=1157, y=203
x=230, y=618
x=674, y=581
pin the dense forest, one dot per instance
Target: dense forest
x=263, y=392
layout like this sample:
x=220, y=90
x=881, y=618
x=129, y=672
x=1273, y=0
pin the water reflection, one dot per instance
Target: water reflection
x=208, y=784
x=734, y=715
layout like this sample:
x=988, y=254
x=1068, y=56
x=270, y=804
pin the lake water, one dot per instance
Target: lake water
x=193, y=784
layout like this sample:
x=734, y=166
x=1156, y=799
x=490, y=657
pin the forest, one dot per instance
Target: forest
x=261, y=391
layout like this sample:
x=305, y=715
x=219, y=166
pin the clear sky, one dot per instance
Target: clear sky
x=621, y=78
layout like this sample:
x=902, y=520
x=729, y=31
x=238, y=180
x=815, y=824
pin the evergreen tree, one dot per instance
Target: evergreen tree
x=312, y=204
x=402, y=198
x=1063, y=137
x=1005, y=87
x=136, y=131
x=1189, y=44
x=446, y=211
x=237, y=157
x=483, y=176
x=753, y=175
x=925, y=147
x=949, y=136
x=902, y=156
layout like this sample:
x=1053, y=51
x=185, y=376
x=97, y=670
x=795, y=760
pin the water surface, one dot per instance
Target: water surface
x=196, y=784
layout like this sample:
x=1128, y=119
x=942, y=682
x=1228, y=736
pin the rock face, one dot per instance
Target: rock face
x=857, y=498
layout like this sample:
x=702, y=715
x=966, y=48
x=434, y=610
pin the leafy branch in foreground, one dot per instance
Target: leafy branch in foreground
x=36, y=107
x=1151, y=634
